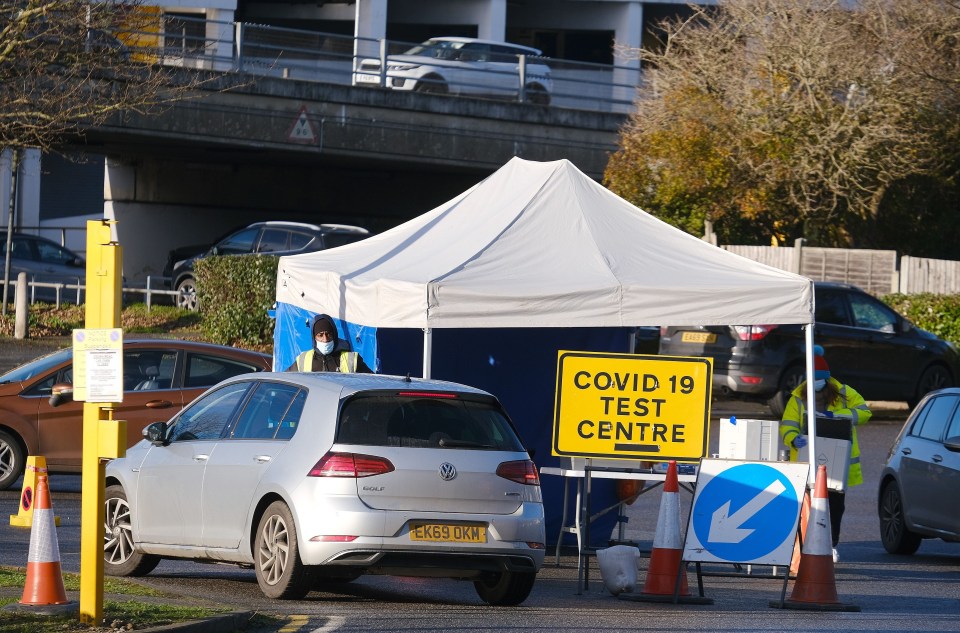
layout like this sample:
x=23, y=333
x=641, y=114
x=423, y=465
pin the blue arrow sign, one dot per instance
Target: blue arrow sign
x=746, y=512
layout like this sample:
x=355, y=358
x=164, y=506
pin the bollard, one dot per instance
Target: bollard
x=20, y=326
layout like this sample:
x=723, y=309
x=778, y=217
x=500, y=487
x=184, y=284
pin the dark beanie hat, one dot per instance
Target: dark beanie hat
x=323, y=323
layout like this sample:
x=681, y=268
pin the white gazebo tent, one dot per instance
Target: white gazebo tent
x=541, y=245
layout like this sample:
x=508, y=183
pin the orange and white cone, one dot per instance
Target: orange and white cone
x=816, y=588
x=665, y=565
x=44, y=584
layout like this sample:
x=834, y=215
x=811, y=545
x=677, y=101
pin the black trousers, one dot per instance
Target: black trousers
x=837, y=501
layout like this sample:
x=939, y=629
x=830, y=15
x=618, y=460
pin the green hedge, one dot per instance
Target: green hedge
x=234, y=293
x=939, y=314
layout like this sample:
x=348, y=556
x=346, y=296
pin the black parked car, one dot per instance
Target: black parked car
x=272, y=237
x=869, y=346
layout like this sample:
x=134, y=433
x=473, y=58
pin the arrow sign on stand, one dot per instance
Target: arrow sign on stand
x=745, y=512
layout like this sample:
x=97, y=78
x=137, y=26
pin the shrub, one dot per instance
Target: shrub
x=939, y=314
x=234, y=293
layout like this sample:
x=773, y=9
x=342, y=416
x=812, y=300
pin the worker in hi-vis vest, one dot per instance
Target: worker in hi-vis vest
x=329, y=352
x=833, y=400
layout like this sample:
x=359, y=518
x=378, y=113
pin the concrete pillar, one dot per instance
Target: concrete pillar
x=369, y=26
x=21, y=321
x=219, y=34
x=28, y=188
x=492, y=21
x=626, y=76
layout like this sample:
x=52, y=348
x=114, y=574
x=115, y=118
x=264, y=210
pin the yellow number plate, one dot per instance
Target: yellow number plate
x=698, y=337
x=447, y=533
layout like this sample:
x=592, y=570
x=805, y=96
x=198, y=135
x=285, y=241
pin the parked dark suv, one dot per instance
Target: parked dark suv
x=868, y=345
x=272, y=237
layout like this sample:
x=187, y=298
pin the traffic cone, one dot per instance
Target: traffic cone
x=43, y=591
x=815, y=588
x=665, y=565
x=36, y=465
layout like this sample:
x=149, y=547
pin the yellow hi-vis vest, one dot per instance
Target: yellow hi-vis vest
x=348, y=362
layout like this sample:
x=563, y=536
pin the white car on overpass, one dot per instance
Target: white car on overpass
x=463, y=66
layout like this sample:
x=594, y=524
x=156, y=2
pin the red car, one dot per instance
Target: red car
x=160, y=376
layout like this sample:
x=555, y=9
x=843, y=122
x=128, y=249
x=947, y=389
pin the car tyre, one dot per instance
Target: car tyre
x=119, y=556
x=432, y=84
x=280, y=573
x=933, y=378
x=505, y=589
x=894, y=535
x=12, y=460
x=536, y=94
x=187, y=294
x=789, y=381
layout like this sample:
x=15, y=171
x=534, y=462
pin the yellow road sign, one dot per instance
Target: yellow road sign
x=632, y=406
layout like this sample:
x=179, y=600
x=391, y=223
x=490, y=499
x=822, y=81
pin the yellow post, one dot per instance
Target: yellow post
x=102, y=310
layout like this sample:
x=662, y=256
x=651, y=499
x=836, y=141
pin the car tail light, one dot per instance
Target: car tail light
x=523, y=471
x=350, y=465
x=753, y=332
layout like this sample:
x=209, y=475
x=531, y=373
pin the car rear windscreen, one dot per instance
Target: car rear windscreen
x=430, y=421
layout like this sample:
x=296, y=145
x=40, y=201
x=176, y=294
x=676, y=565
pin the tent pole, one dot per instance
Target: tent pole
x=427, y=351
x=811, y=406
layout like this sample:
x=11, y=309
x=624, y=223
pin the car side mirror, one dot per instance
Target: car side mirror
x=61, y=393
x=952, y=444
x=531, y=452
x=77, y=262
x=156, y=433
x=214, y=250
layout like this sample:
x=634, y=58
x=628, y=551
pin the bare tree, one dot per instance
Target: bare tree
x=66, y=65
x=792, y=118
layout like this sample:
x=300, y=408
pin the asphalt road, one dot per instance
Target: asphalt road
x=913, y=593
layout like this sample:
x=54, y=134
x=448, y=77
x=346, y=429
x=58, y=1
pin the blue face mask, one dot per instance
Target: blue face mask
x=819, y=384
x=325, y=347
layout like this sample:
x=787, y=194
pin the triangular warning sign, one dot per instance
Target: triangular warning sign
x=302, y=131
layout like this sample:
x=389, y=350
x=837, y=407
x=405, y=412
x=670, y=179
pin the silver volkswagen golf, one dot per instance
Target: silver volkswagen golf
x=323, y=477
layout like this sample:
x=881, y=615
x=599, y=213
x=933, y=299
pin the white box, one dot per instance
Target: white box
x=835, y=454
x=751, y=440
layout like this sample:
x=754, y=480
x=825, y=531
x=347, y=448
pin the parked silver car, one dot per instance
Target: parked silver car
x=464, y=66
x=324, y=477
x=918, y=495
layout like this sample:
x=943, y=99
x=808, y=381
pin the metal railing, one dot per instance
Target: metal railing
x=76, y=291
x=306, y=55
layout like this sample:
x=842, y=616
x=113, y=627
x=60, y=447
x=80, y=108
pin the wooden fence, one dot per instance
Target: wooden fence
x=877, y=272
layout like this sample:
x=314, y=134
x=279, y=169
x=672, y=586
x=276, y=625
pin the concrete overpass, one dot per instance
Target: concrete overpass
x=273, y=148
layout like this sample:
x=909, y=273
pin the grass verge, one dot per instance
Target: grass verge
x=133, y=614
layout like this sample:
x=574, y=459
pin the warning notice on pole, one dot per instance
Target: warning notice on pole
x=98, y=365
x=632, y=406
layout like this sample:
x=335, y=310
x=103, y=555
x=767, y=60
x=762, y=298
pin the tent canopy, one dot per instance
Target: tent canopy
x=540, y=245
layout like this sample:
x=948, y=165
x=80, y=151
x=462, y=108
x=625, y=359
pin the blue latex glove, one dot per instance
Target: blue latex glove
x=826, y=414
x=799, y=442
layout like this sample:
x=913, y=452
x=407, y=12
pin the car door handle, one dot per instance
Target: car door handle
x=262, y=459
x=906, y=451
x=937, y=459
x=158, y=404
x=201, y=458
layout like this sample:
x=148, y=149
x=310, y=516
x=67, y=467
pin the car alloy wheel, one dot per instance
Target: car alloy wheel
x=896, y=538
x=120, y=558
x=280, y=573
